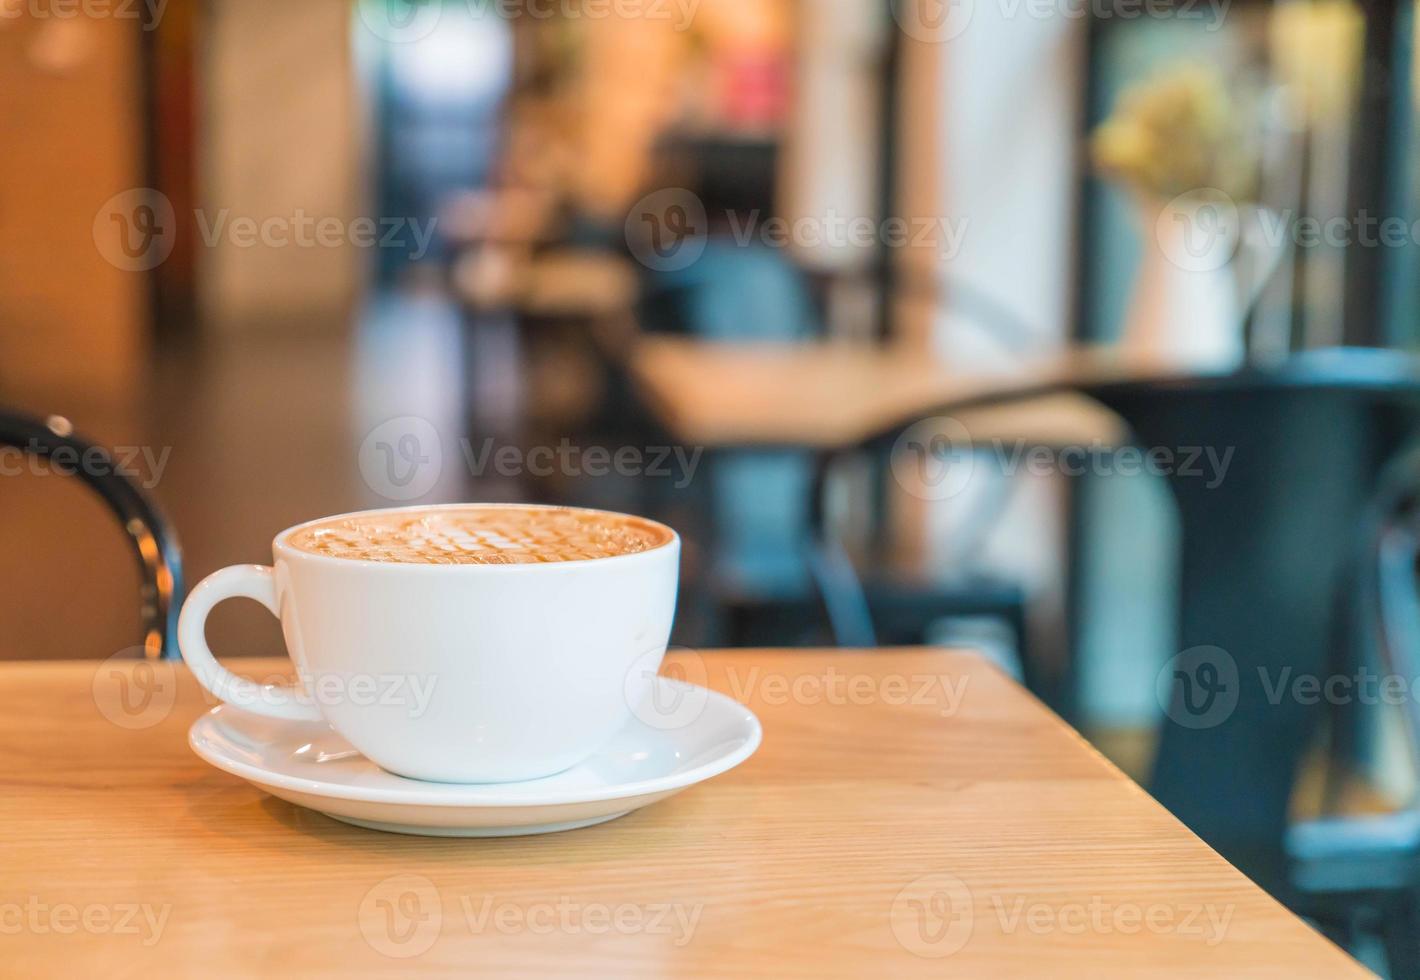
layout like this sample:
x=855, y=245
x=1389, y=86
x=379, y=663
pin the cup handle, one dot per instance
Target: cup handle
x=252, y=582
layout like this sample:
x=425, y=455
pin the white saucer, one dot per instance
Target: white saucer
x=310, y=765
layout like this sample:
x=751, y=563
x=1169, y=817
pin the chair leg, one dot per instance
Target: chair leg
x=1342, y=934
x=841, y=593
x=1400, y=932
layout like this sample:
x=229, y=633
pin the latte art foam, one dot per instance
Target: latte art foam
x=487, y=535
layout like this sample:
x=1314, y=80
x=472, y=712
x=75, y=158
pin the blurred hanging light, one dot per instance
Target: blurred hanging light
x=466, y=57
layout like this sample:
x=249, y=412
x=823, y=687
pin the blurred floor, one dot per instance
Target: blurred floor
x=237, y=438
x=1319, y=791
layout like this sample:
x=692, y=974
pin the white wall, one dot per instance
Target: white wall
x=279, y=130
x=1008, y=142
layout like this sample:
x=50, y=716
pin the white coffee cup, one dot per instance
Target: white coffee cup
x=452, y=673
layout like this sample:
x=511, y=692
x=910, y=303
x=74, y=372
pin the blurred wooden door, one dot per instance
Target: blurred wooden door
x=73, y=312
x=72, y=317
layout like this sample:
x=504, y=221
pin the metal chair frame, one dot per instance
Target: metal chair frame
x=1362, y=874
x=155, y=543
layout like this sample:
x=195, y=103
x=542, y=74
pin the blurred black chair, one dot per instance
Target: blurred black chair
x=154, y=542
x=869, y=599
x=767, y=576
x=1360, y=876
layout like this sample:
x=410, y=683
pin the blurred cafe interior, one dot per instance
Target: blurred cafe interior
x=1081, y=334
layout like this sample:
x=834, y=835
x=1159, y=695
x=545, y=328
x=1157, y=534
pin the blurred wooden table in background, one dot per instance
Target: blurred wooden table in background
x=824, y=395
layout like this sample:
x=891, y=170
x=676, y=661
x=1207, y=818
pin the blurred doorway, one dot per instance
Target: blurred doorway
x=435, y=75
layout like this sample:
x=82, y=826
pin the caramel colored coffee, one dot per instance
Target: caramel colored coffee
x=481, y=535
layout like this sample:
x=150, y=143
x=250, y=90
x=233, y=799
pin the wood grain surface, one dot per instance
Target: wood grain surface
x=911, y=812
x=824, y=395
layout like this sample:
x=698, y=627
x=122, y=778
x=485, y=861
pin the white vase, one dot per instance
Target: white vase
x=1186, y=309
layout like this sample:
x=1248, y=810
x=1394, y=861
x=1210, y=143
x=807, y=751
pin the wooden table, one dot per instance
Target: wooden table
x=1262, y=557
x=573, y=284
x=911, y=812
x=830, y=394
